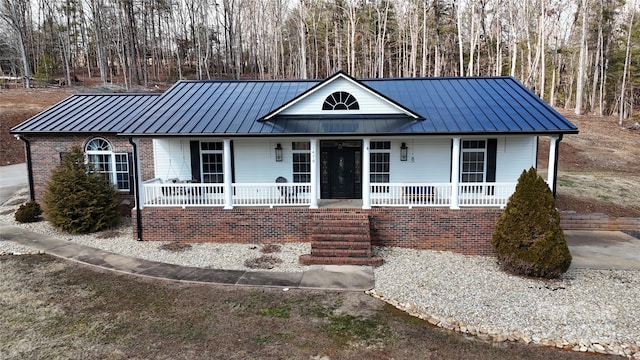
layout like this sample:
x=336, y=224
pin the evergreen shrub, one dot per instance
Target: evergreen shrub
x=78, y=199
x=28, y=212
x=528, y=239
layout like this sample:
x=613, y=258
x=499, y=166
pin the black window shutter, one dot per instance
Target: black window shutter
x=492, y=147
x=451, y=159
x=195, y=160
x=131, y=182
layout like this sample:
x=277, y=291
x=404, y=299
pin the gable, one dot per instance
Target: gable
x=368, y=101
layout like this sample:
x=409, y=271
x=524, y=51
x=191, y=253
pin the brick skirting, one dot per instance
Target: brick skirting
x=465, y=231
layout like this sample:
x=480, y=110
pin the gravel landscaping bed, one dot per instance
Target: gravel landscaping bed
x=585, y=310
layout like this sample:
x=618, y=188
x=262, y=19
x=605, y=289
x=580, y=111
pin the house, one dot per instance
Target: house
x=414, y=162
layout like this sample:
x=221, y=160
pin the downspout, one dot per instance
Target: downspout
x=27, y=147
x=555, y=170
x=136, y=192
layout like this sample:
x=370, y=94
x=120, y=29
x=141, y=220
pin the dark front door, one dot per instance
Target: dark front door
x=341, y=169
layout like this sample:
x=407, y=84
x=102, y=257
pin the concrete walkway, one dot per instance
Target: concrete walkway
x=322, y=277
x=603, y=250
x=12, y=179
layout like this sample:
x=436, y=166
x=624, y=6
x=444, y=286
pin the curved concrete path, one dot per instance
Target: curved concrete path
x=322, y=277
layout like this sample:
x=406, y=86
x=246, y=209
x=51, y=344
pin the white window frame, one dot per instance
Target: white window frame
x=306, y=151
x=468, y=150
x=385, y=150
x=217, y=175
x=114, y=168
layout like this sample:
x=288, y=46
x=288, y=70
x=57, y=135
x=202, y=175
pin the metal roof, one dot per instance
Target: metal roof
x=84, y=113
x=464, y=105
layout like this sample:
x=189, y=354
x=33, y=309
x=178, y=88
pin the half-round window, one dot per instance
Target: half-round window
x=97, y=144
x=340, y=100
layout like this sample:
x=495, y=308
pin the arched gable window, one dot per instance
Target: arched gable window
x=115, y=165
x=340, y=100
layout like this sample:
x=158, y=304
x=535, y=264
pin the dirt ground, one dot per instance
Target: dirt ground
x=599, y=168
x=53, y=309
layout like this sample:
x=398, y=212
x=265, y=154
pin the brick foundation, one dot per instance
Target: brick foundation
x=465, y=231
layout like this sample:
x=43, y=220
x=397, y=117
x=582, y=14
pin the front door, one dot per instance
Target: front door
x=341, y=169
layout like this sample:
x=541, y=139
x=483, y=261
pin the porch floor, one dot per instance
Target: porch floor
x=340, y=203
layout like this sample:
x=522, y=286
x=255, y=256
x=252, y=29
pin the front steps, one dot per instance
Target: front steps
x=341, y=239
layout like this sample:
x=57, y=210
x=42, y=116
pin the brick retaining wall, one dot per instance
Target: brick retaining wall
x=465, y=231
x=597, y=221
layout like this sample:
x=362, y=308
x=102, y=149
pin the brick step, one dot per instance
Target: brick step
x=314, y=260
x=357, y=253
x=341, y=224
x=341, y=245
x=341, y=237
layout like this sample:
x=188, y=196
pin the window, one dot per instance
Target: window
x=379, y=161
x=340, y=100
x=114, y=165
x=211, y=162
x=474, y=154
x=301, y=162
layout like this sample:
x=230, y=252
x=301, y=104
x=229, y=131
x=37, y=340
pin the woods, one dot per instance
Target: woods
x=579, y=54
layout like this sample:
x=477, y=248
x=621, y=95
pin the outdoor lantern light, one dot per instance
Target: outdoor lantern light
x=403, y=152
x=278, y=152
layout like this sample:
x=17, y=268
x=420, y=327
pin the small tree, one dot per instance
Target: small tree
x=528, y=239
x=78, y=199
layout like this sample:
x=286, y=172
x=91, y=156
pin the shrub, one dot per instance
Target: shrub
x=78, y=199
x=28, y=212
x=528, y=239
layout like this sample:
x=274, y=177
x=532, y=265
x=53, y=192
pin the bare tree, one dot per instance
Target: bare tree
x=626, y=64
x=14, y=13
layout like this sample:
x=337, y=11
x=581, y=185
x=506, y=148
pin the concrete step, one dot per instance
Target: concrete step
x=321, y=260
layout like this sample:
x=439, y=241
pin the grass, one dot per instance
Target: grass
x=55, y=309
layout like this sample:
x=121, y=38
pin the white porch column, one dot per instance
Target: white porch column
x=455, y=173
x=366, y=171
x=553, y=158
x=228, y=188
x=314, y=174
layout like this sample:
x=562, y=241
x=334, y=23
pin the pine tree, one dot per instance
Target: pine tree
x=528, y=239
x=78, y=199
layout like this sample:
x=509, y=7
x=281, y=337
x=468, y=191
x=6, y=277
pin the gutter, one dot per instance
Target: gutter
x=27, y=147
x=136, y=193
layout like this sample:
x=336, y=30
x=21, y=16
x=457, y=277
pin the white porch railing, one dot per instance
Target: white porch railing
x=269, y=194
x=439, y=194
x=410, y=194
x=159, y=194
x=485, y=194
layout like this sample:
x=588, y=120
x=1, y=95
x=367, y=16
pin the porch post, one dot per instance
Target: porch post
x=228, y=188
x=314, y=174
x=455, y=173
x=552, y=171
x=366, y=171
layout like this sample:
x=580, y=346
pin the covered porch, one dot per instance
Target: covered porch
x=314, y=172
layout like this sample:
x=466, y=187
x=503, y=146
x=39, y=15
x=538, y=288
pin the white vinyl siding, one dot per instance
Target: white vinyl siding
x=172, y=159
x=428, y=160
x=514, y=154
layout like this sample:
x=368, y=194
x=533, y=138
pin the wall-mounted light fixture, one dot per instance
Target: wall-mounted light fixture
x=403, y=152
x=278, y=150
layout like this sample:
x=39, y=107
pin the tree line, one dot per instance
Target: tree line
x=578, y=54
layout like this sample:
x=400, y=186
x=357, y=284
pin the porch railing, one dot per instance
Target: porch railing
x=159, y=194
x=410, y=194
x=167, y=194
x=439, y=194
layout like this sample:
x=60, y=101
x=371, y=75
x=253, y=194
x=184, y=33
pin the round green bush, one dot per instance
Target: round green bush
x=78, y=199
x=528, y=239
x=28, y=212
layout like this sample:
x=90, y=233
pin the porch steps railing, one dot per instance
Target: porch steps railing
x=341, y=239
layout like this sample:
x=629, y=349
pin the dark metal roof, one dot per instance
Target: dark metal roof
x=83, y=113
x=464, y=105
